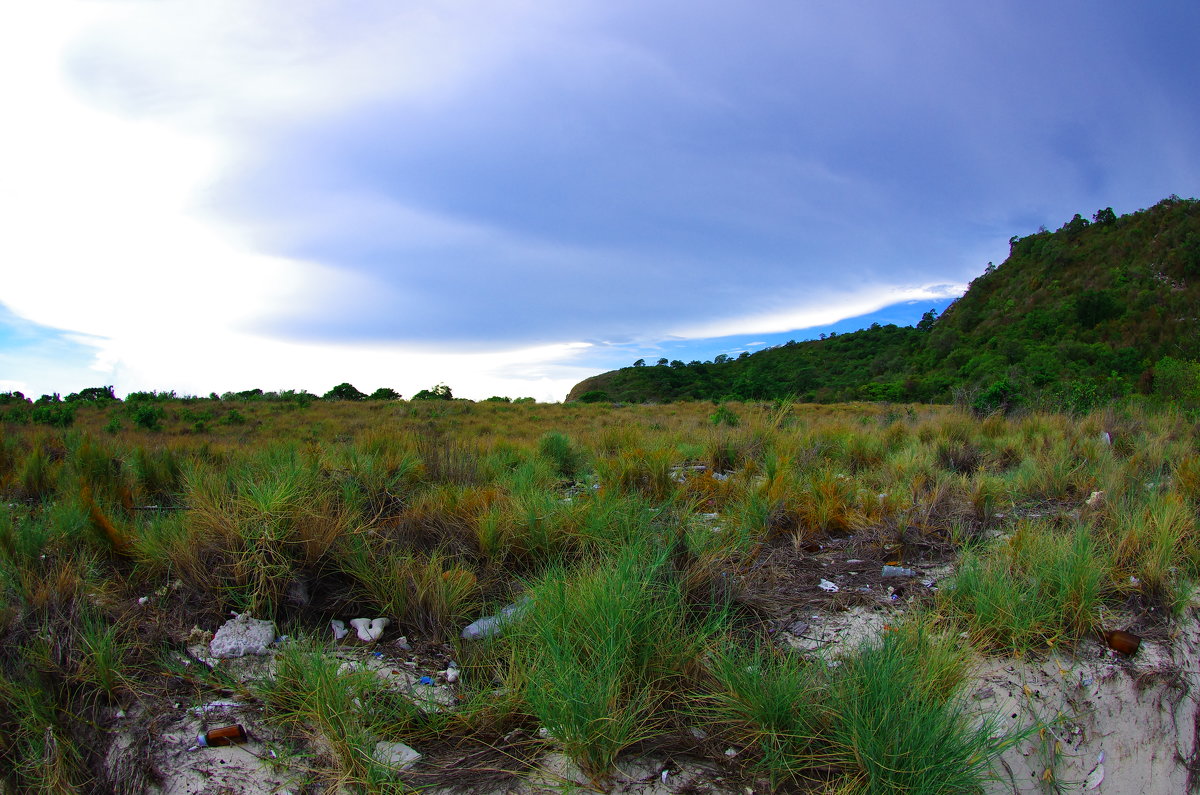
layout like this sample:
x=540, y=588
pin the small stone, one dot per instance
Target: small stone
x=242, y=635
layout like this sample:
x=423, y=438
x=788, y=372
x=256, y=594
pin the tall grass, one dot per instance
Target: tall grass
x=597, y=650
x=1039, y=588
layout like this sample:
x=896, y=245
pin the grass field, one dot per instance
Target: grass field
x=659, y=550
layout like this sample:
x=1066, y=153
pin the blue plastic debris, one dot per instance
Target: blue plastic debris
x=426, y=680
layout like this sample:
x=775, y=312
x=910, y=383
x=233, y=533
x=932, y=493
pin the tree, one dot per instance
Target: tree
x=927, y=321
x=384, y=393
x=1105, y=217
x=344, y=391
x=661, y=362
x=95, y=394
x=439, y=392
x=640, y=363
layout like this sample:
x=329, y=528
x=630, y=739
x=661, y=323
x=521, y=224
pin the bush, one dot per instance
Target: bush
x=147, y=416
x=57, y=415
x=724, y=416
x=344, y=391
x=594, y=396
x=384, y=393
x=1001, y=396
x=439, y=392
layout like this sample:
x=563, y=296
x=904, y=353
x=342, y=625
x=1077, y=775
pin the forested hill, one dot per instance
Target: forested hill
x=1094, y=310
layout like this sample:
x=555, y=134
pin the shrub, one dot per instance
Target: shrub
x=147, y=416
x=57, y=415
x=439, y=392
x=594, y=396
x=344, y=391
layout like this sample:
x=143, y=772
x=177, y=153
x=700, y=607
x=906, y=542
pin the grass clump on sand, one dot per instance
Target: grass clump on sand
x=887, y=717
x=599, y=652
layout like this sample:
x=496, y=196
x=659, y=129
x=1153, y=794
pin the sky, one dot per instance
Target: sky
x=508, y=197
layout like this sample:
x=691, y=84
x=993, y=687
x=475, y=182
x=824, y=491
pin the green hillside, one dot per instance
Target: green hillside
x=1094, y=310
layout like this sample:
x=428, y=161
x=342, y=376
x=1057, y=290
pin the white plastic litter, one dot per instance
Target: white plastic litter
x=826, y=585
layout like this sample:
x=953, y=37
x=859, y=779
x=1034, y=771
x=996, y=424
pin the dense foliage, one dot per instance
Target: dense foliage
x=1072, y=317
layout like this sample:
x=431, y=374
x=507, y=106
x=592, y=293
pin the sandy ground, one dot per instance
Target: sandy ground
x=1094, y=721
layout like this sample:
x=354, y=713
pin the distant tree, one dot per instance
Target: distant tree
x=676, y=363
x=524, y=400
x=498, y=399
x=1075, y=225
x=661, y=362
x=343, y=391
x=1176, y=379
x=439, y=392
x=1093, y=307
x=384, y=393
x=1105, y=217
x=94, y=394
x=721, y=358
x=640, y=363
x=927, y=321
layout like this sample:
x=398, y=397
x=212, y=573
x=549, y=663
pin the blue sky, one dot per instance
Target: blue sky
x=508, y=197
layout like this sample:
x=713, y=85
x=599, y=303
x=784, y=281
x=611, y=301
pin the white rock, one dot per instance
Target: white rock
x=397, y=755
x=242, y=635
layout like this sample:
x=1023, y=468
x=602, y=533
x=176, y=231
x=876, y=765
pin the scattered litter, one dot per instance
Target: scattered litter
x=1124, y=642
x=664, y=775
x=1096, y=500
x=898, y=571
x=395, y=755
x=226, y=735
x=826, y=585
x=451, y=675
x=214, y=705
x=731, y=752
x=852, y=562
x=488, y=626
x=142, y=600
x=929, y=582
x=339, y=629
x=1094, y=778
x=426, y=680
x=369, y=629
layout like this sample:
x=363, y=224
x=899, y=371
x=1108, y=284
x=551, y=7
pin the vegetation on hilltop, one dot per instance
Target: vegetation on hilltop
x=1096, y=310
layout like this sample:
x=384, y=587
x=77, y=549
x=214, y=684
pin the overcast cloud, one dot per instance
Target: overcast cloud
x=509, y=196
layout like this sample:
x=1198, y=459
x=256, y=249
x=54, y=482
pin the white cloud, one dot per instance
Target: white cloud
x=819, y=310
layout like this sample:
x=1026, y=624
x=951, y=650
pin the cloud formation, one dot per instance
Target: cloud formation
x=432, y=179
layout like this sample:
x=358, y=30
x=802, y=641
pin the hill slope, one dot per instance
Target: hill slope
x=1085, y=312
